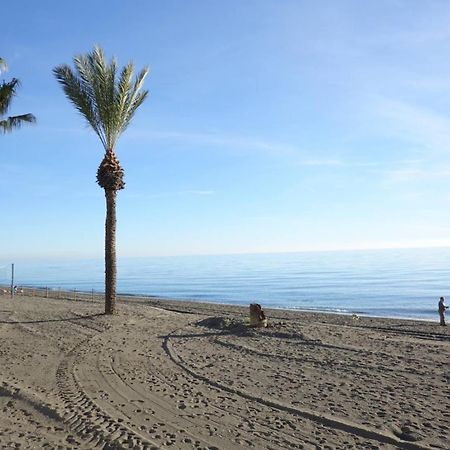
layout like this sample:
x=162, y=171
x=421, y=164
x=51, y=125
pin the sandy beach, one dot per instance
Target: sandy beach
x=195, y=376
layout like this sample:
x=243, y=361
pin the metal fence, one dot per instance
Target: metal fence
x=73, y=294
x=46, y=292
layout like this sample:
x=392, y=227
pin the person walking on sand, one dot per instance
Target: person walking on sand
x=441, y=309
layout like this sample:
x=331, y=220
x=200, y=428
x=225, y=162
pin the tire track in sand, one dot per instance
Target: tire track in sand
x=138, y=402
x=322, y=419
x=90, y=422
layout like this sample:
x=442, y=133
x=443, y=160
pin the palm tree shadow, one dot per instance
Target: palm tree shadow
x=68, y=319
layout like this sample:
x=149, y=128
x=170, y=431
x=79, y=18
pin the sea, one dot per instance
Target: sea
x=398, y=283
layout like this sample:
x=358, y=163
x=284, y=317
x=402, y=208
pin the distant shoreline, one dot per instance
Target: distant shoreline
x=187, y=304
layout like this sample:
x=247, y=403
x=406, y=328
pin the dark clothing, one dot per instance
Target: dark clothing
x=441, y=309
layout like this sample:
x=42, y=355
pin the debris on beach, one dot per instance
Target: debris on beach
x=257, y=316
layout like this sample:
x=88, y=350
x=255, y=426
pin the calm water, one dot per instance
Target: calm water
x=387, y=283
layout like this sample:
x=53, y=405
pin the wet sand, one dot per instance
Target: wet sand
x=195, y=376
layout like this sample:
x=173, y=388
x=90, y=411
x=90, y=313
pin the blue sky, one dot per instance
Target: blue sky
x=270, y=126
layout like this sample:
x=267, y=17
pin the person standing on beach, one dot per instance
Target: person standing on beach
x=441, y=309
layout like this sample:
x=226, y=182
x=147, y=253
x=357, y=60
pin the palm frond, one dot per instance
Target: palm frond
x=122, y=92
x=98, y=72
x=140, y=79
x=106, y=100
x=77, y=90
x=14, y=122
x=7, y=93
x=138, y=100
x=135, y=97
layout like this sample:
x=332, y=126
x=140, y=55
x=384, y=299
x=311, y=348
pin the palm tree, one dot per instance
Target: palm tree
x=7, y=93
x=108, y=101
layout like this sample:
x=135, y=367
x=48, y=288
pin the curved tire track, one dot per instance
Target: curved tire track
x=85, y=417
x=321, y=419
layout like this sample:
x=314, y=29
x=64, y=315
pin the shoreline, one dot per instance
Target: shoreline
x=91, y=294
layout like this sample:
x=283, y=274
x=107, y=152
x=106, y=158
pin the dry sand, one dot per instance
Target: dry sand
x=164, y=373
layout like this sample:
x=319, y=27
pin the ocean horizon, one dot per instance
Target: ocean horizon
x=398, y=283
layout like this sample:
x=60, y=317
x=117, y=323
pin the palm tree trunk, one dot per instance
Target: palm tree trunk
x=110, y=252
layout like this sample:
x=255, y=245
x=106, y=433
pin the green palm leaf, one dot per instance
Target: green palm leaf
x=11, y=123
x=7, y=93
x=107, y=100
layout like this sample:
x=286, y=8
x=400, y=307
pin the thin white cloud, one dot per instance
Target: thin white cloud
x=412, y=174
x=338, y=163
x=181, y=193
x=242, y=144
x=429, y=84
x=401, y=175
x=321, y=162
x=420, y=126
x=219, y=140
